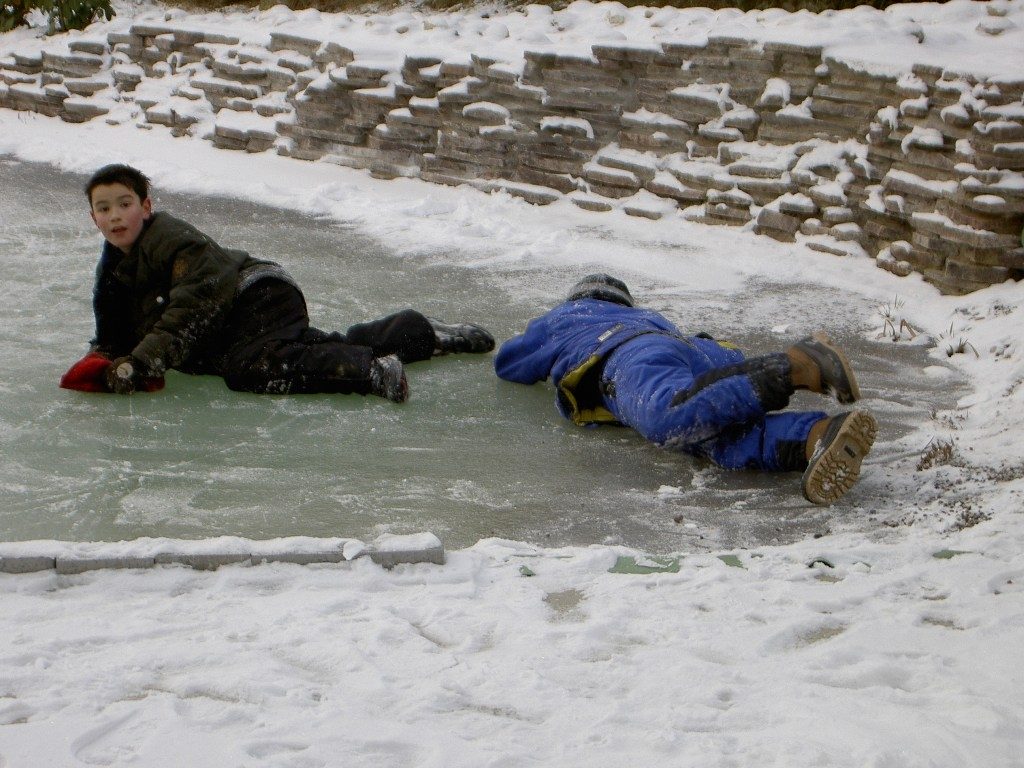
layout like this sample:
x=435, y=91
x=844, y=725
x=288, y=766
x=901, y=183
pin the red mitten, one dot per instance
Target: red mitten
x=90, y=375
x=87, y=375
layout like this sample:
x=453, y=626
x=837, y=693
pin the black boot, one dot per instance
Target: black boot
x=460, y=337
x=387, y=379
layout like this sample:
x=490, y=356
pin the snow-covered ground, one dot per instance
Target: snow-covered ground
x=894, y=648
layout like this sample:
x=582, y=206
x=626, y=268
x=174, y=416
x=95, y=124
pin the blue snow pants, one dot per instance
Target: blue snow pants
x=723, y=418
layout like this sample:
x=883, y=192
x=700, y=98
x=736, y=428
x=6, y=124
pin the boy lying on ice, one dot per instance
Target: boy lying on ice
x=168, y=297
x=615, y=363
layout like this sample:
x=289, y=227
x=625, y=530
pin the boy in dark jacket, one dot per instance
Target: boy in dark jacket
x=615, y=363
x=167, y=296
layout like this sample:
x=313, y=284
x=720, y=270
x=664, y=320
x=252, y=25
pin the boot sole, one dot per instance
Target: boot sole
x=397, y=391
x=835, y=465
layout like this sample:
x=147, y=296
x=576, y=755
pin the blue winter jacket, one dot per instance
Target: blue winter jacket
x=568, y=343
x=616, y=364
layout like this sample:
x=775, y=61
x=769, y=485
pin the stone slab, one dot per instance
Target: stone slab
x=27, y=563
x=201, y=561
x=299, y=558
x=390, y=550
x=72, y=565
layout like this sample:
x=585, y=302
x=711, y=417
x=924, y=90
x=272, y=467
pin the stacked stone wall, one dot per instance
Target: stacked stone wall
x=923, y=171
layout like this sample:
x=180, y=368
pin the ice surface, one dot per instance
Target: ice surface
x=468, y=457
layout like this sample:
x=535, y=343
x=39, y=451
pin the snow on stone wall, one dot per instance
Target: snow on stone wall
x=921, y=170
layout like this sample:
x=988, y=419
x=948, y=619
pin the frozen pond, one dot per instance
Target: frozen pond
x=468, y=457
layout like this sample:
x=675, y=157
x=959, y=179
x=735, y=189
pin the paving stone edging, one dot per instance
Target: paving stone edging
x=80, y=557
x=922, y=170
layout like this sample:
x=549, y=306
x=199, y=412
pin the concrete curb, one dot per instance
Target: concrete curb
x=68, y=558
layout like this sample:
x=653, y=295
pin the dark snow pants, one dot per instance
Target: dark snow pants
x=723, y=413
x=269, y=346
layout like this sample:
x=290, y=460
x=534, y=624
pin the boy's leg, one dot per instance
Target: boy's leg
x=724, y=415
x=296, y=368
x=407, y=334
x=414, y=337
x=679, y=395
x=828, y=450
x=271, y=349
x=777, y=443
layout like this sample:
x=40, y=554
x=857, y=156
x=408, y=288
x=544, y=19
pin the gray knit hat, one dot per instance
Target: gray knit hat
x=603, y=287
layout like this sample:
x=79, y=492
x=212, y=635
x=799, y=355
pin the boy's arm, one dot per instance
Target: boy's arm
x=203, y=278
x=529, y=357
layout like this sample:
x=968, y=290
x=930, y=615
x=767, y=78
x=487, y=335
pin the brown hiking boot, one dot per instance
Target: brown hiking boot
x=834, y=466
x=820, y=366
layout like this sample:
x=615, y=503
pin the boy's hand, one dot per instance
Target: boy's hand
x=121, y=376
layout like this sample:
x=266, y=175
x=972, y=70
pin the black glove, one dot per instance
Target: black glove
x=122, y=376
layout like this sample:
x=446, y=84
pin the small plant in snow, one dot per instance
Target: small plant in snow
x=894, y=326
x=961, y=346
x=967, y=516
x=958, y=347
x=936, y=453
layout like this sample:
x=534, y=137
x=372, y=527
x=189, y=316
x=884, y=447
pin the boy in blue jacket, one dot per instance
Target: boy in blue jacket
x=614, y=363
x=167, y=296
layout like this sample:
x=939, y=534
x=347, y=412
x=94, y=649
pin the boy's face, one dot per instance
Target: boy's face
x=119, y=214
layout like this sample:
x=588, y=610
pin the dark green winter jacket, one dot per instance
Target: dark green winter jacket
x=164, y=302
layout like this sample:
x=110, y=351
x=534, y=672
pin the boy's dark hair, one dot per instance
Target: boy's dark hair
x=117, y=173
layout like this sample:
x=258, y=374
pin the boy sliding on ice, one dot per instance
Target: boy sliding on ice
x=167, y=296
x=614, y=363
